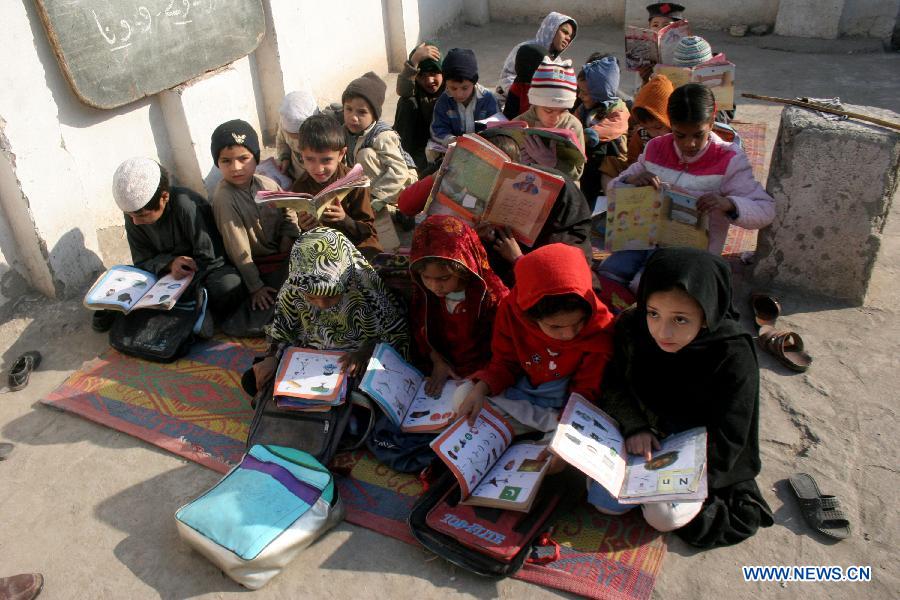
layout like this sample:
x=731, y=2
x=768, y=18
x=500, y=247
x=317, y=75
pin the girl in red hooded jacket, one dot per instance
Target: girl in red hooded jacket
x=454, y=300
x=551, y=337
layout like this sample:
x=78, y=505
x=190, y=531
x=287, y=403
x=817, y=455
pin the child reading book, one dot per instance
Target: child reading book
x=555, y=33
x=454, y=301
x=332, y=300
x=650, y=114
x=660, y=15
x=701, y=164
x=551, y=338
x=682, y=360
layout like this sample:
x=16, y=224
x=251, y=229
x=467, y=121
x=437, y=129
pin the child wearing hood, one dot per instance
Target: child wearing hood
x=454, y=300
x=556, y=32
x=295, y=109
x=605, y=120
x=551, y=338
x=528, y=58
x=332, y=300
x=419, y=86
x=682, y=360
x=650, y=114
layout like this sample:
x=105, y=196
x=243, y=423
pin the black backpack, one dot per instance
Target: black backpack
x=158, y=335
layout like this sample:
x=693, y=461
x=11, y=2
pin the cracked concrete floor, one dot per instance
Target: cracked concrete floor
x=92, y=508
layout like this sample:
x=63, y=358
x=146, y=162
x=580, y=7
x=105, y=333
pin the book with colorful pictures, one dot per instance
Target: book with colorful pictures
x=477, y=182
x=589, y=439
x=490, y=469
x=399, y=389
x=315, y=205
x=123, y=288
x=309, y=379
x=717, y=74
x=569, y=150
x=641, y=218
x=646, y=47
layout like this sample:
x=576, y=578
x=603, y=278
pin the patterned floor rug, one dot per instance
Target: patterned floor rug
x=195, y=408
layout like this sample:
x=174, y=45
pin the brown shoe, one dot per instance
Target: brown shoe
x=21, y=587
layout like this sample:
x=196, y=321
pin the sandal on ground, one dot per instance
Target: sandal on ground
x=766, y=308
x=22, y=368
x=786, y=346
x=26, y=586
x=823, y=512
x=5, y=450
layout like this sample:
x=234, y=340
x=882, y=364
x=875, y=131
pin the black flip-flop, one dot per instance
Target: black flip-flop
x=822, y=511
x=766, y=308
x=22, y=368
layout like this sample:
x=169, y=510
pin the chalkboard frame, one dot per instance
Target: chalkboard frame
x=216, y=32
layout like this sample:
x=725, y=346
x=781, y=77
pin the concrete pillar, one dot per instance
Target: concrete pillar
x=835, y=183
x=809, y=18
x=402, y=30
x=476, y=12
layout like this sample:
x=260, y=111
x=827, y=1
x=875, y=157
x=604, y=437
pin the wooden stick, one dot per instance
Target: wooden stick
x=827, y=109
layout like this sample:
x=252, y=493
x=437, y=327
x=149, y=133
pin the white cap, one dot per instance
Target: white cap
x=135, y=182
x=296, y=108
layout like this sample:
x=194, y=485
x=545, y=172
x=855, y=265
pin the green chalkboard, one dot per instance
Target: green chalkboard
x=117, y=51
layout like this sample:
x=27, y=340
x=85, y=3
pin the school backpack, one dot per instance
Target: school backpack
x=159, y=335
x=379, y=128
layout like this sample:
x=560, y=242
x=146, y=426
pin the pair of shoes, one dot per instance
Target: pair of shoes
x=21, y=587
x=5, y=450
x=785, y=345
x=22, y=368
x=102, y=321
x=823, y=512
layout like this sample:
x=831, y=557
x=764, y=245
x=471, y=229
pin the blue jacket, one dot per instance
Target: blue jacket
x=453, y=119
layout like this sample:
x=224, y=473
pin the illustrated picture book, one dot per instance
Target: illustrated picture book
x=569, y=150
x=124, y=289
x=640, y=218
x=717, y=74
x=589, y=439
x=648, y=47
x=309, y=379
x=491, y=470
x=399, y=389
x=315, y=205
x=477, y=182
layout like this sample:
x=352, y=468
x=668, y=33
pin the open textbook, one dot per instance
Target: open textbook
x=717, y=74
x=309, y=379
x=477, y=182
x=641, y=218
x=124, y=288
x=399, y=388
x=589, y=439
x=645, y=47
x=491, y=470
x=315, y=205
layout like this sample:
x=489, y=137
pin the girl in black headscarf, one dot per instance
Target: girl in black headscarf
x=682, y=360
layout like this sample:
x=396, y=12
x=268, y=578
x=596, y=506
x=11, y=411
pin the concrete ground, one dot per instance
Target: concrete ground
x=93, y=508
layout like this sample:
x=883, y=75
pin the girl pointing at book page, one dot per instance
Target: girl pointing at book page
x=682, y=360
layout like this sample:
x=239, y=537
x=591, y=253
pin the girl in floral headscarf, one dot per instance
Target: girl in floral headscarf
x=332, y=300
x=454, y=300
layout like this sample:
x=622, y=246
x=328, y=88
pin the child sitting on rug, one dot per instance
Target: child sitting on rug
x=698, y=161
x=551, y=337
x=682, y=360
x=454, y=301
x=256, y=238
x=332, y=300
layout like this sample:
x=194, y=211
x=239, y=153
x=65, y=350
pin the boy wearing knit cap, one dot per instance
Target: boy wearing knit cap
x=552, y=95
x=170, y=230
x=295, y=108
x=419, y=86
x=464, y=101
x=651, y=114
x=605, y=120
x=257, y=237
x=373, y=144
x=691, y=51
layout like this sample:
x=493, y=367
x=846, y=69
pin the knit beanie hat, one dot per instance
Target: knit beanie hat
x=692, y=51
x=429, y=65
x=135, y=182
x=295, y=108
x=528, y=59
x=460, y=64
x=553, y=85
x=234, y=133
x=371, y=87
x=602, y=78
x=654, y=97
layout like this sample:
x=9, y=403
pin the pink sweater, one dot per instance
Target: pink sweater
x=721, y=167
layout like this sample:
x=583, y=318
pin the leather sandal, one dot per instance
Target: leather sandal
x=766, y=308
x=22, y=368
x=786, y=346
x=21, y=587
x=822, y=511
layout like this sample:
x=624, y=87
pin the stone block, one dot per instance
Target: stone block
x=809, y=18
x=834, y=184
